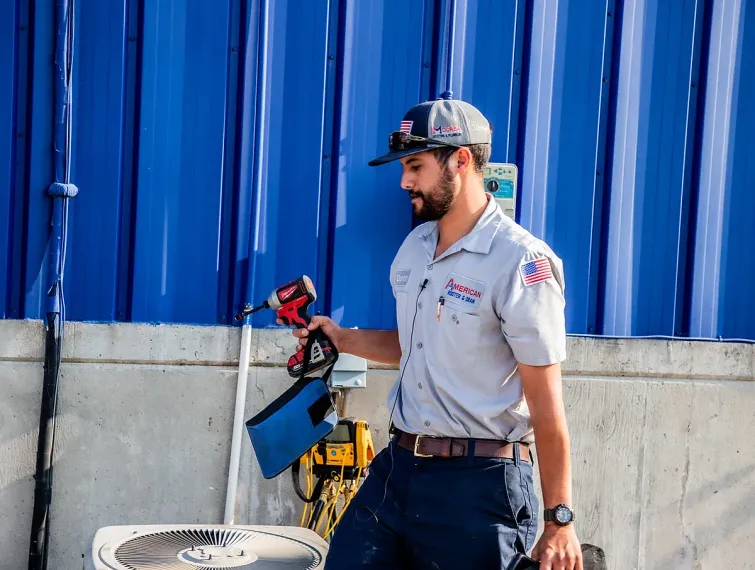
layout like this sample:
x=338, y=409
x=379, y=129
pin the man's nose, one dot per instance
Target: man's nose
x=406, y=182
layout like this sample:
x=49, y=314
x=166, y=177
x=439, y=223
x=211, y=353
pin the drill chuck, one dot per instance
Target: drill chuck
x=248, y=310
x=299, y=291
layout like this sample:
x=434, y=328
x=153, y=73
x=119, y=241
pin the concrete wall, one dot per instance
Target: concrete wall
x=662, y=434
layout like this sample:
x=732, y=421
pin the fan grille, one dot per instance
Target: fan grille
x=210, y=549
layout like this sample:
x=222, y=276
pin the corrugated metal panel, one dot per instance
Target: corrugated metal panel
x=722, y=302
x=295, y=146
x=487, y=66
x=32, y=278
x=10, y=45
x=562, y=169
x=628, y=120
x=179, y=212
x=650, y=184
x=381, y=79
x=100, y=164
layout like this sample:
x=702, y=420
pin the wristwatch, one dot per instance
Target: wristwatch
x=560, y=514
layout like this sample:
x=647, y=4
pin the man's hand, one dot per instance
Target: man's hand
x=332, y=330
x=378, y=346
x=558, y=548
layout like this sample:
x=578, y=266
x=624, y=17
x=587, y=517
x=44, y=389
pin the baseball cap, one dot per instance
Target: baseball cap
x=433, y=124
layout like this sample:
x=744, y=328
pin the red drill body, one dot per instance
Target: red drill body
x=291, y=301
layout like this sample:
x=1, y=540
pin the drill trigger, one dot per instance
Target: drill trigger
x=294, y=313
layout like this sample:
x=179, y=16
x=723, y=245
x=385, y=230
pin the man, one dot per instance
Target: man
x=480, y=310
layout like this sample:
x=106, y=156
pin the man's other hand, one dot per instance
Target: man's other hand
x=558, y=548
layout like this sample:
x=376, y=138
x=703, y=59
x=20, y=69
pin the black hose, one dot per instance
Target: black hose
x=40, y=534
x=316, y=512
x=61, y=190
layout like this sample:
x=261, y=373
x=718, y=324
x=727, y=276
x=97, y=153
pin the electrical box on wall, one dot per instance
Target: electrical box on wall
x=500, y=181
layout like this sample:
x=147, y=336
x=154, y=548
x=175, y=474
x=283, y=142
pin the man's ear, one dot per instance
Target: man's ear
x=462, y=160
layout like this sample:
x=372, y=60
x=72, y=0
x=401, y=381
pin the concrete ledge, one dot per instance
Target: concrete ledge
x=660, y=358
x=219, y=346
x=21, y=340
x=137, y=343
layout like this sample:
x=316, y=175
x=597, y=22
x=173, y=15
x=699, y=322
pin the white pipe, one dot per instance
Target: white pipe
x=238, y=424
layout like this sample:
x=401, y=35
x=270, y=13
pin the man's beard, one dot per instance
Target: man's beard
x=436, y=202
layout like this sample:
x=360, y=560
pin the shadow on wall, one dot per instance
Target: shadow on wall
x=19, y=453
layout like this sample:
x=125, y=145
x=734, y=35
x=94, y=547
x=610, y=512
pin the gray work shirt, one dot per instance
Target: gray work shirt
x=502, y=295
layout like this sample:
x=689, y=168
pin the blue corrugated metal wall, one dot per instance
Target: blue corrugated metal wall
x=219, y=139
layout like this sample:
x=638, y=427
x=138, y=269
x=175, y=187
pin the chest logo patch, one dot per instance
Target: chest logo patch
x=463, y=291
x=402, y=278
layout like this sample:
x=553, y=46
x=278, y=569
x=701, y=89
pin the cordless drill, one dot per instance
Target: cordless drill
x=291, y=302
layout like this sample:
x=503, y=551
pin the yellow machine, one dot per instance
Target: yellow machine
x=339, y=462
x=349, y=446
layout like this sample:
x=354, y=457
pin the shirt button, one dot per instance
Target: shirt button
x=419, y=345
x=454, y=318
x=419, y=304
x=430, y=267
x=419, y=385
x=427, y=424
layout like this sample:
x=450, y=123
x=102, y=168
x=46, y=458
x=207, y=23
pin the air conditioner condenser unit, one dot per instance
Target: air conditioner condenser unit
x=207, y=547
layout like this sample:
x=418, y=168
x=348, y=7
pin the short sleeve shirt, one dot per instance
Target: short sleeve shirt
x=466, y=320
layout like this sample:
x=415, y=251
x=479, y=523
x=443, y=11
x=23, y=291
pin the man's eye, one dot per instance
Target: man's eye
x=415, y=168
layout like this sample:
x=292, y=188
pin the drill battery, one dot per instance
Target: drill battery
x=322, y=357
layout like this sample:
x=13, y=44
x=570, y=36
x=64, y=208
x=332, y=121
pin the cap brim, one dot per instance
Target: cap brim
x=396, y=154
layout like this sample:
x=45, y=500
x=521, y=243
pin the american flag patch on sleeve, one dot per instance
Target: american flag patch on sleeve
x=535, y=271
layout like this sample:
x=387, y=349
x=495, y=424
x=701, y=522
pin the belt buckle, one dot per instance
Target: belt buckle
x=416, y=447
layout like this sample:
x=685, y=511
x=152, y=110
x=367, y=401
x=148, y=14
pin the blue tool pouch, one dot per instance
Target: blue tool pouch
x=292, y=424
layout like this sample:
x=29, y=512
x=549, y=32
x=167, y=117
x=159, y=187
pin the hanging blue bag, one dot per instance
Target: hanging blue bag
x=292, y=424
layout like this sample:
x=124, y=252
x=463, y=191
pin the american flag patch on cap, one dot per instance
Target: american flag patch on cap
x=406, y=126
x=536, y=271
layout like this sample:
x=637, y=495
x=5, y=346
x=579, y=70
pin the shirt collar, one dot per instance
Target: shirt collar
x=481, y=237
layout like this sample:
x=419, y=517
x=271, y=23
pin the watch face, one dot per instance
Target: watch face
x=563, y=514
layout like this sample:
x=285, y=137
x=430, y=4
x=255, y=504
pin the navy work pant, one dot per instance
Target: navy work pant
x=437, y=514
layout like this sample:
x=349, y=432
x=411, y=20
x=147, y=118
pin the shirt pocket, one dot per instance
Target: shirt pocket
x=457, y=341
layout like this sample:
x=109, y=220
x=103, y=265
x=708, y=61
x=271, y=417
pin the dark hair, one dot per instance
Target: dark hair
x=480, y=155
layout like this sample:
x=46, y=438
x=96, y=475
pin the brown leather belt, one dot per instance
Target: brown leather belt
x=427, y=446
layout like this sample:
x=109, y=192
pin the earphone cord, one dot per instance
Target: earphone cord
x=408, y=356
x=398, y=395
